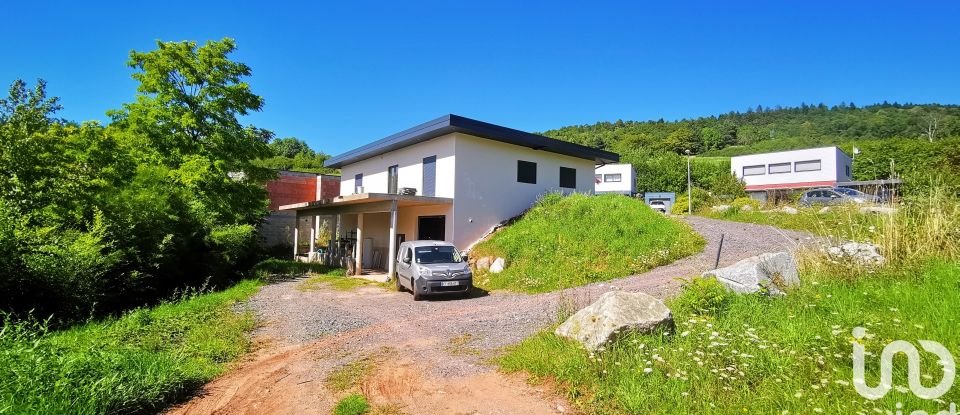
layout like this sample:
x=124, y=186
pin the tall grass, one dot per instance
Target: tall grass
x=568, y=241
x=137, y=363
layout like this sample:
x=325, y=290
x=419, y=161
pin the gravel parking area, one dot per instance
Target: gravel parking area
x=310, y=333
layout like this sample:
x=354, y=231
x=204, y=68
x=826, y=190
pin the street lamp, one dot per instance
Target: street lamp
x=689, y=186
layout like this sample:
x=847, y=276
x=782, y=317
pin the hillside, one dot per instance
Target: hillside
x=916, y=138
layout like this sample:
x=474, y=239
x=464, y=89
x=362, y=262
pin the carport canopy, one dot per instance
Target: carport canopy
x=360, y=204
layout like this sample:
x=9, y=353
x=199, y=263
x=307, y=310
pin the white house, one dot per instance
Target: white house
x=615, y=178
x=451, y=179
x=797, y=169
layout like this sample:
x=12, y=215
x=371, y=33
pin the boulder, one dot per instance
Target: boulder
x=746, y=208
x=825, y=209
x=614, y=314
x=770, y=271
x=862, y=253
x=720, y=208
x=497, y=266
x=789, y=210
x=483, y=263
x=879, y=210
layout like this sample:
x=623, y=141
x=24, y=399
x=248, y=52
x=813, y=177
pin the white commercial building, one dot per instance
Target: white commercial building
x=796, y=169
x=615, y=178
x=451, y=179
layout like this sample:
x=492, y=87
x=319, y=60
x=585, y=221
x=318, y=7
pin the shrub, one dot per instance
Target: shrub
x=354, y=404
x=740, y=202
x=702, y=296
x=701, y=200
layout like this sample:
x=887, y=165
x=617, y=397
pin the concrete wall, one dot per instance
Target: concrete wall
x=410, y=170
x=487, y=191
x=628, y=180
x=833, y=164
x=289, y=188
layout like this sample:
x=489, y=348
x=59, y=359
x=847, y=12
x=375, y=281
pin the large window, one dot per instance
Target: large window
x=809, y=165
x=392, y=176
x=754, y=170
x=779, y=168
x=612, y=178
x=526, y=172
x=358, y=183
x=429, y=176
x=568, y=178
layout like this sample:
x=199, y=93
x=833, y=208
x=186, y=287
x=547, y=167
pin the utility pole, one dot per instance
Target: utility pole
x=689, y=186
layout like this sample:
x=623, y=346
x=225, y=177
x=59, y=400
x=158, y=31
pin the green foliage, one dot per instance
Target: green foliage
x=568, y=241
x=295, y=155
x=137, y=363
x=353, y=404
x=702, y=296
x=758, y=354
x=740, y=202
x=701, y=200
x=96, y=219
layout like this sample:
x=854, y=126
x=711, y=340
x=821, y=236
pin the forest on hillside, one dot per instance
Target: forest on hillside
x=895, y=140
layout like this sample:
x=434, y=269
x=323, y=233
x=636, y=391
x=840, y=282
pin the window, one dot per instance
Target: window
x=429, y=176
x=754, y=170
x=779, y=168
x=437, y=255
x=848, y=170
x=392, y=173
x=611, y=178
x=568, y=178
x=597, y=178
x=526, y=172
x=358, y=183
x=809, y=165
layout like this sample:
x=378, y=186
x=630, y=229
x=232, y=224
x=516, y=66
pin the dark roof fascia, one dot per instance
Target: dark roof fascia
x=456, y=124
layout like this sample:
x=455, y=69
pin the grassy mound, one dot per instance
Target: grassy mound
x=567, y=241
x=138, y=363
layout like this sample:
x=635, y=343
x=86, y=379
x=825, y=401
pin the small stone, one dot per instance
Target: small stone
x=789, y=210
x=746, y=208
x=720, y=208
x=497, y=266
x=879, y=210
x=825, y=209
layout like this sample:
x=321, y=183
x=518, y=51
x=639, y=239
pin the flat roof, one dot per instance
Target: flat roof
x=452, y=123
x=402, y=200
x=791, y=151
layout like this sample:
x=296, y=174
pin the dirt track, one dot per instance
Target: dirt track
x=432, y=356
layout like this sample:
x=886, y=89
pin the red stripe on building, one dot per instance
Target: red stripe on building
x=798, y=185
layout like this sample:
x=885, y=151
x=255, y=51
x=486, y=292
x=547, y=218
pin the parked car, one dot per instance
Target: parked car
x=432, y=267
x=856, y=194
x=658, y=206
x=834, y=196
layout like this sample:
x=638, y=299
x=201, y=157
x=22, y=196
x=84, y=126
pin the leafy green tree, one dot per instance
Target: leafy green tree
x=290, y=147
x=682, y=141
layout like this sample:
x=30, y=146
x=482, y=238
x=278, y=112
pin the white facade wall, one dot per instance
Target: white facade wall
x=410, y=170
x=487, y=191
x=834, y=167
x=627, y=184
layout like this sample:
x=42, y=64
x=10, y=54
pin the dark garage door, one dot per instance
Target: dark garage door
x=431, y=228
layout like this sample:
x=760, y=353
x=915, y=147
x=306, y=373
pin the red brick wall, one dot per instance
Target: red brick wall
x=329, y=187
x=292, y=187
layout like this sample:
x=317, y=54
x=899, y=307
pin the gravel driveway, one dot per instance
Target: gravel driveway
x=444, y=344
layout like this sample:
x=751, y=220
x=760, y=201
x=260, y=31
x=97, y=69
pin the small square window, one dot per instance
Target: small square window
x=526, y=172
x=612, y=178
x=568, y=178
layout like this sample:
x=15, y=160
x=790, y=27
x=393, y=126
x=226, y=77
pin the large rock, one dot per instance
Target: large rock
x=879, y=210
x=497, y=266
x=789, y=210
x=614, y=314
x=484, y=263
x=861, y=253
x=771, y=272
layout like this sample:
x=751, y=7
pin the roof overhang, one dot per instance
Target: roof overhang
x=363, y=203
x=456, y=124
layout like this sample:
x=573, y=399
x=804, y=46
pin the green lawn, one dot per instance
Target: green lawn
x=751, y=354
x=568, y=241
x=140, y=362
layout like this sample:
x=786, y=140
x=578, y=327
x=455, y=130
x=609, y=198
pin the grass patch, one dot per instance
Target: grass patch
x=568, y=241
x=354, y=404
x=279, y=269
x=349, y=375
x=754, y=354
x=140, y=362
x=337, y=279
x=844, y=222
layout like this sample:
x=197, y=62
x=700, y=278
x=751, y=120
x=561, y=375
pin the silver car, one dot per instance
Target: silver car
x=432, y=267
x=834, y=196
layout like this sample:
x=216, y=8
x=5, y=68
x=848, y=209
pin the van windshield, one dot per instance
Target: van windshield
x=437, y=255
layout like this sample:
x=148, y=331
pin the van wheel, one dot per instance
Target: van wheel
x=396, y=280
x=416, y=293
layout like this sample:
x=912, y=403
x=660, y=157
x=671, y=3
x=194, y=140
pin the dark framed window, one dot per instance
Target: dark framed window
x=612, y=178
x=526, y=172
x=848, y=170
x=358, y=183
x=809, y=165
x=754, y=170
x=779, y=168
x=568, y=178
x=392, y=175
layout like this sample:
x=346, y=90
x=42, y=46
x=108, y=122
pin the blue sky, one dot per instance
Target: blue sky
x=341, y=74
